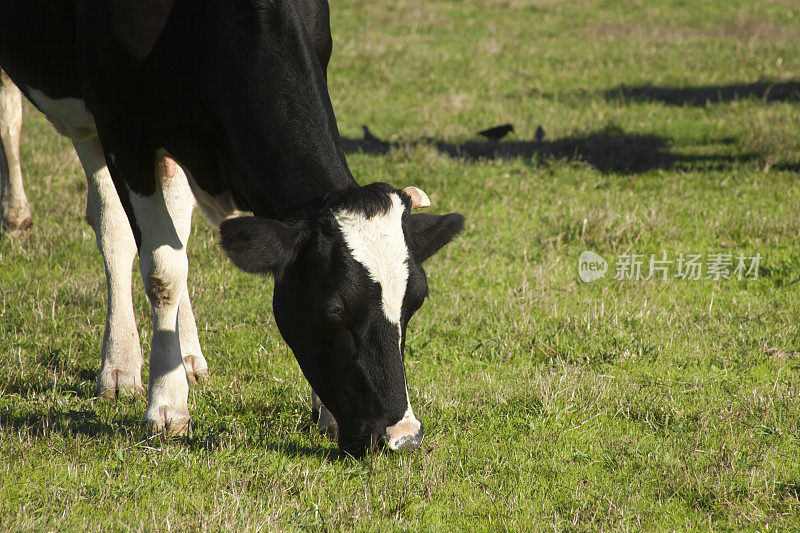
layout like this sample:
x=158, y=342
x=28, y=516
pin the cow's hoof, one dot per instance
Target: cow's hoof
x=196, y=368
x=16, y=222
x=170, y=422
x=118, y=383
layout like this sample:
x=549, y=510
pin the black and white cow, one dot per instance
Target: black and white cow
x=235, y=92
x=120, y=348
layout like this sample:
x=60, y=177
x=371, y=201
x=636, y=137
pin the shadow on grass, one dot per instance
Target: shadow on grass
x=46, y=422
x=70, y=422
x=791, y=489
x=608, y=150
x=293, y=449
x=267, y=433
x=51, y=373
x=766, y=91
x=211, y=440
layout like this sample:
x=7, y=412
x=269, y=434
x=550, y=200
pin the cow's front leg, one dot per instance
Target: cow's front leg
x=15, y=212
x=164, y=220
x=168, y=171
x=193, y=360
x=121, y=355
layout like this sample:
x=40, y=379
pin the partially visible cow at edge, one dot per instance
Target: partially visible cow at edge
x=235, y=92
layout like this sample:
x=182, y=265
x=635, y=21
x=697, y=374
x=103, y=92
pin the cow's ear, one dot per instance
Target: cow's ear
x=426, y=234
x=259, y=245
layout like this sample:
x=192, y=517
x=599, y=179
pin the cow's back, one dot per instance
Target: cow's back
x=228, y=87
x=37, y=39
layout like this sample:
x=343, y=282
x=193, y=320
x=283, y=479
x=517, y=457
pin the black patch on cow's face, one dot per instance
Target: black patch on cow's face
x=330, y=308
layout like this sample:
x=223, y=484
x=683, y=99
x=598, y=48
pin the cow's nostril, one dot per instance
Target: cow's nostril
x=406, y=443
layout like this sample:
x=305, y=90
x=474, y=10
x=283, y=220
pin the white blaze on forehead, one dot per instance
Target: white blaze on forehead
x=378, y=243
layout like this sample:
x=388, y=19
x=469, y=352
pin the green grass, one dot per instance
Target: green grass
x=548, y=403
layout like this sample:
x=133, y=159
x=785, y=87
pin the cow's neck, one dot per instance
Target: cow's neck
x=292, y=168
x=277, y=115
x=289, y=161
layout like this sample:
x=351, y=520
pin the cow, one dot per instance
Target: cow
x=121, y=345
x=235, y=92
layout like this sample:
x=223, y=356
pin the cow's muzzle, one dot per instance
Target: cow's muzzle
x=406, y=435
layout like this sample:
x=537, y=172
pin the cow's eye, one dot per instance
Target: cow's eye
x=335, y=314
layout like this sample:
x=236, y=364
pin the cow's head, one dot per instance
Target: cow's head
x=347, y=280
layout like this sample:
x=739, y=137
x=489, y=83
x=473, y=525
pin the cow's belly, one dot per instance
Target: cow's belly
x=69, y=116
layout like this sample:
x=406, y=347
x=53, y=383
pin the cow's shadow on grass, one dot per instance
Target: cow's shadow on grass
x=765, y=91
x=47, y=421
x=267, y=433
x=609, y=150
x=52, y=420
x=51, y=371
x=271, y=424
x=209, y=441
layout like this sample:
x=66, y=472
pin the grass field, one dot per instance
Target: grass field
x=671, y=127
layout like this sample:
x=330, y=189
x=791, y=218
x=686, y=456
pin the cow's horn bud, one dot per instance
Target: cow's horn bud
x=417, y=196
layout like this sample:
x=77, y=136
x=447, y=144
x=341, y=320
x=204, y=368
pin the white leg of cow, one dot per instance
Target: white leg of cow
x=15, y=212
x=193, y=360
x=324, y=419
x=121, y=355
x=164, y=219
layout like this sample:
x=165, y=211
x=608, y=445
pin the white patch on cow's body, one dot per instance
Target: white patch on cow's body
x=169, y=211
x=165, y=222
x=175, y=182
x=70, y=116
x=121, y=359
x=378, y=243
